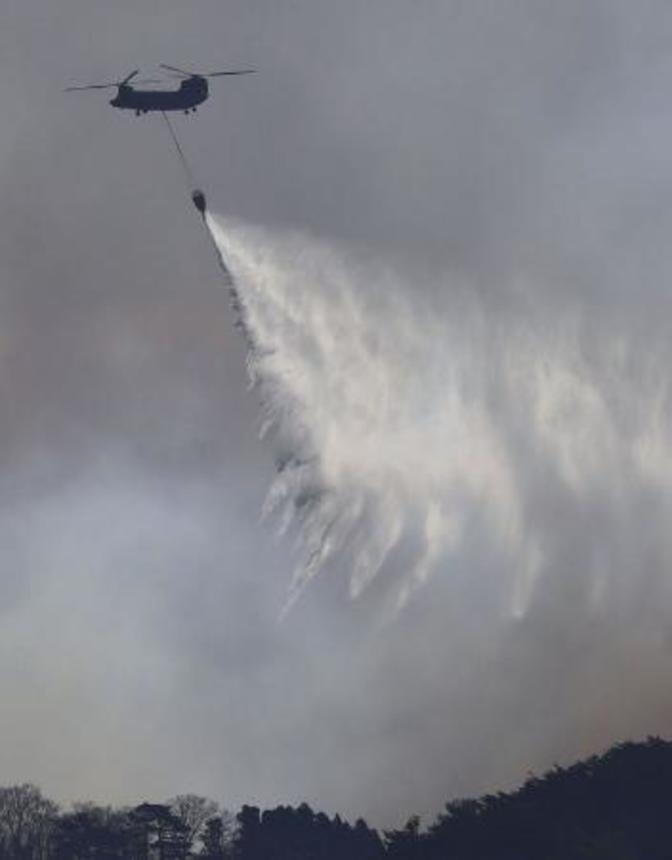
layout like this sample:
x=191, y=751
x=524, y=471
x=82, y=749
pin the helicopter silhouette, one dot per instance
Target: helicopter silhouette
x=193, y=91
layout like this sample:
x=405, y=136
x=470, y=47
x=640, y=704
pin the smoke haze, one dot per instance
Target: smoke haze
x=450, y=224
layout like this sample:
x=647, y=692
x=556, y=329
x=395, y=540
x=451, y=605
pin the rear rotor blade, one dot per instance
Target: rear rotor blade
x=130, y=77
x=91, y=87
x=236, y=72
x=105, y=86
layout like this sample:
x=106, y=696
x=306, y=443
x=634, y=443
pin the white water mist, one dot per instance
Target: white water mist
x=409, y=422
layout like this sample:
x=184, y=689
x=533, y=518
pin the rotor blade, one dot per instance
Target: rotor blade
x=236, y=72
x=181, y=71
x=91, y=87
x=130, y=77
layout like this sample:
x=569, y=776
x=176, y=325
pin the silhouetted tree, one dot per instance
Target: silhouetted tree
x=193, y=811
x=406, y=843
x=285, y=833
x=213, y=839
x=611, y=807
x=91, y=831
x=366, y=843
x=26, y=821
x=158, y=833
x=247, y=843
x=218, y=836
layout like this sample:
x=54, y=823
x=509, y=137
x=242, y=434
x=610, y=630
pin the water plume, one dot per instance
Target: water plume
x=411, y=420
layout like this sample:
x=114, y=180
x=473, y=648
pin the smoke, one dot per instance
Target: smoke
x=418, y=419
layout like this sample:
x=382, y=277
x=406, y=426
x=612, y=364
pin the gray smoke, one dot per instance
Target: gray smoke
x=461, y=279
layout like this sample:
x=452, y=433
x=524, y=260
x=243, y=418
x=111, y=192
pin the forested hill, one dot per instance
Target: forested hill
x=617, y=806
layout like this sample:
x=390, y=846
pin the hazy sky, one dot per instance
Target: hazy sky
x=508, y=157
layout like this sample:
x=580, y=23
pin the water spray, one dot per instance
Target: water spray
x=411, y=433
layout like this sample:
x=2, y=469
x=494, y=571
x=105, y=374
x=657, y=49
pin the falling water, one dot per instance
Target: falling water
x=413, y=420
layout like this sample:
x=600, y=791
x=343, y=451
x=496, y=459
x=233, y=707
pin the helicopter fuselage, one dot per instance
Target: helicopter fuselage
x=192, y=92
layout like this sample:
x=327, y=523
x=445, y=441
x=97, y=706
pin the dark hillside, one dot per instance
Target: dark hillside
x=616, y=806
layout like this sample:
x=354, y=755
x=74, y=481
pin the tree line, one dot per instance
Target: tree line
x=610, y=807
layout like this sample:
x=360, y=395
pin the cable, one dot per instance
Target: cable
x=190, y=176
x=199, y=200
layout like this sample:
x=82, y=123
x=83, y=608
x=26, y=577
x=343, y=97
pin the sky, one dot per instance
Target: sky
x=450, y=225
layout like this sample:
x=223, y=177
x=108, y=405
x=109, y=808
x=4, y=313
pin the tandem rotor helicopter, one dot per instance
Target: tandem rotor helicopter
x=193, y=91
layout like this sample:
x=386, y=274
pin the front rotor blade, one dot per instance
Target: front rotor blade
x=175, y=69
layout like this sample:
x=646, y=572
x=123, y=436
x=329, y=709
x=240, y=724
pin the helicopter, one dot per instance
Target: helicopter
x=193, y=91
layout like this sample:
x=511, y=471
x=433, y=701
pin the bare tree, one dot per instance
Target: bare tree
x=193, y=811
x=26, y=820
